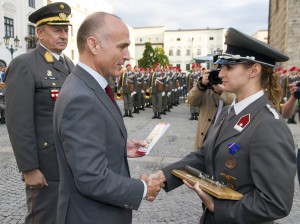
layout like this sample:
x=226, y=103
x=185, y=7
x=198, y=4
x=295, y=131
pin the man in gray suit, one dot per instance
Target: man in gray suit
x=90, y=134
x=33, y=83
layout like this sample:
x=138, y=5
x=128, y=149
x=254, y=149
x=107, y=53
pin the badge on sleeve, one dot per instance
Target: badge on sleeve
x=54, y=93
x=242, y=123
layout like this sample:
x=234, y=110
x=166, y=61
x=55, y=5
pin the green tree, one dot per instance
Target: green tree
x=160, y=56
x=152, y=56
x=148, y=56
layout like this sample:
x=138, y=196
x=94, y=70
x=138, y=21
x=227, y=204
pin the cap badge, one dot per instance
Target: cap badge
x=242, y=123
x=61, y=6
x=62, y=15
x=48, y=56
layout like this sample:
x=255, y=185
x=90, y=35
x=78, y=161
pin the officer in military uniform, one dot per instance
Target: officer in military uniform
x=33, y=81
x=249, y=148
x=192, y=80
x=126, y=87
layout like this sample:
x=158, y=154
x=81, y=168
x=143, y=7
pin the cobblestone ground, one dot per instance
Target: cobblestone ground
x=177, y=207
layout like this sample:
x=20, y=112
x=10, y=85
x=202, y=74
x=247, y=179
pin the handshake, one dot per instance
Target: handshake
x=154, y=183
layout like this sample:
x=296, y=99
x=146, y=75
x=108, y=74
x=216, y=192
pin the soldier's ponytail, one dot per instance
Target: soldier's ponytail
x=271, y=85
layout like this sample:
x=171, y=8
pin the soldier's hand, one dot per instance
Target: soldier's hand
x=205, y=80
x=35, y=179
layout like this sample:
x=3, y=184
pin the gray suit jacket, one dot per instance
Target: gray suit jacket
x=91, y=137
x=29, y=109
x=265, y=166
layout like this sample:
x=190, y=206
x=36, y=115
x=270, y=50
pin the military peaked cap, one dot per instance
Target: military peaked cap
x=242, y=48
x=52, y=14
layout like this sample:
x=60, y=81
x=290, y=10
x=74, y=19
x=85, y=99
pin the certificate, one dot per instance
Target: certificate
x=153, y=137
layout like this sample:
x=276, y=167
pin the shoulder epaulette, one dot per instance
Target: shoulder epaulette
x=273, y=111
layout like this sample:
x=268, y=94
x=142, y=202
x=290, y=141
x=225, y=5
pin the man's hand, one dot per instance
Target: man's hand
x=153, y=188
x=207, y=200
x=204, y=80
x=133, y=146
x=35, y=179
x=293, y=87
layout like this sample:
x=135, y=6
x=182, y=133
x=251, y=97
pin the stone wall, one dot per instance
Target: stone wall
x=284, y=29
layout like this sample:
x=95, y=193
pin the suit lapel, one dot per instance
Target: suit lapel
x=102, y=96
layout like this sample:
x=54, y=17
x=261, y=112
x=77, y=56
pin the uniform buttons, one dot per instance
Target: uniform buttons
x=53, y=84
x=209, y=119
x=45, y=144
x=216, y=105
x=201, y=133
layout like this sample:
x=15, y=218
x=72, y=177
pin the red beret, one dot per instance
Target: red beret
x=157, y=64
x=284, y=71
x=279, y=69
x=203, y=69
x=128, y=65
x=293, y=68
x=194, y=66
x=141, y=69
x=147, y=69
x=135, y=67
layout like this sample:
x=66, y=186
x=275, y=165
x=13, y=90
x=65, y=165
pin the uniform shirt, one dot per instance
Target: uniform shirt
x=238, y=107
x=103, y=83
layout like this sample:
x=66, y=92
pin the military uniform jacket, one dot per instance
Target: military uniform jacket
x=265, y=166
x=127, y=81
x=29, y=105
x=153, y=82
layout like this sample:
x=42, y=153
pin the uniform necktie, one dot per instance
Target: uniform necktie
x=62, y=60
x=109, y=92
x=230, y=115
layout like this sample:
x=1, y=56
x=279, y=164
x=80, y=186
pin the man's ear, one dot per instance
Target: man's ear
x=93, y=45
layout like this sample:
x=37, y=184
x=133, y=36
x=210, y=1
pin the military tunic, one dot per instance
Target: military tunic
x=33, y=82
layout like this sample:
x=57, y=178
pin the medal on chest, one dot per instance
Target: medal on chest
x=54, y=93
x=230, y=162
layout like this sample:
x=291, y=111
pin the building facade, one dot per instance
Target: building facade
x=15, y=19
x=182, y=46
x=261, y=35
x=284, y=29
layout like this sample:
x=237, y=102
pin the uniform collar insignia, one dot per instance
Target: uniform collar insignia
x=242, y=123
x=49, y=57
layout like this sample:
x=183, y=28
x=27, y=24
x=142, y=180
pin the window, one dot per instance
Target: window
x=178, y=52
x=31, y=3
x=177, y=39
x=188, y=52
x=211, y=38
x=178, y=65
x=187, y=67
x=170, y=52
x=31, y=37
x=141, y=39
x=9, y=27
x=198, y=51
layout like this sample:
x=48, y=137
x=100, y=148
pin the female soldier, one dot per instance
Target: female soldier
x=249, y=144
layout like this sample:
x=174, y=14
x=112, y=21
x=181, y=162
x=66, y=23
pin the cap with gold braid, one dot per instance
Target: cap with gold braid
x=55, y=14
